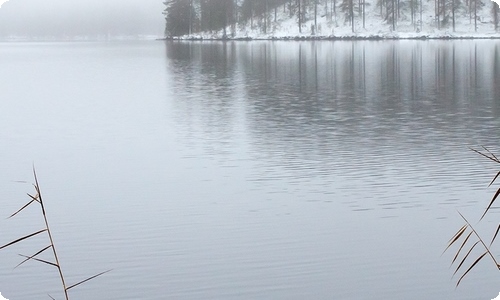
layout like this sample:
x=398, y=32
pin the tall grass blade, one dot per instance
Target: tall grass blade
x=491, y=203
x=465, y=257
x=41, y=260
x=495, y=178
x=491, y=153
x=30, y=257
x=472, y=266
x=487, y=156
x=26, y=205
x=51, y=297
x=90, y=278
x=23, y=238
x=496, y=232
x=460, y=249
x=456, y=236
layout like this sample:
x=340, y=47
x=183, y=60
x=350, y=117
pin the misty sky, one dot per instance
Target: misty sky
x=81, y=17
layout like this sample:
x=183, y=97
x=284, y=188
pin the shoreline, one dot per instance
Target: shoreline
x=327, y=38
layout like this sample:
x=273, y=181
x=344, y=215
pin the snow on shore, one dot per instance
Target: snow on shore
x=329, y=27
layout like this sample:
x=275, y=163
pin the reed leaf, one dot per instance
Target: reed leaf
x=465, y=257
x=456, y=236
x=496, y=233
x=19, y=210
x=85, y=280
x=491, y=153
x=495, y=178
x=23, y=238
x=460, y=249
x=491, y=203
x=472, y=266
x=493, y=158
x=41, y=260
x=30, y=257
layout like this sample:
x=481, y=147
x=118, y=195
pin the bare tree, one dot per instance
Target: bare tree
x=494, y=11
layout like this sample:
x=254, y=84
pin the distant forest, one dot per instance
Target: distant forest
x=192, y=16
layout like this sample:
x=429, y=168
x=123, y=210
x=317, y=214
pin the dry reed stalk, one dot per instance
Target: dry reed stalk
x=37, y=198
x=472, y=235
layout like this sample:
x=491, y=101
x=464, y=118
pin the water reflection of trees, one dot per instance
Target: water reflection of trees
x=364, y=70
x=202, y=79
x=401, y=75
x=320, y=98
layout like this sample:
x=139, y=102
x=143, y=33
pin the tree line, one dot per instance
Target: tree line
x=192, y=16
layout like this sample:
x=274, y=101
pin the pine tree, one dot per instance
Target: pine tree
x=447, y=11
x=217, y=14
x=414, y=6
x=247, y=11
x=389, y=14
x=179, y=17
x=315, y=15
x=495, y=11
x=347, y=7
x=299, y=5
x=475, y=7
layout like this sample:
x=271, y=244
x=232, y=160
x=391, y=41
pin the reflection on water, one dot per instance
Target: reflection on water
x=368, y=71
x=355, y=109
x=373, y=126
x=249, y=170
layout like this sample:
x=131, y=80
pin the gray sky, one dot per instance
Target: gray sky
x=81, y=17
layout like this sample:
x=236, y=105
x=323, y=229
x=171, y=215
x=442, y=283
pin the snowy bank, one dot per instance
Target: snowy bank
x=327, y=26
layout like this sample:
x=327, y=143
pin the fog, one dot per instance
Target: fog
x=81, y=18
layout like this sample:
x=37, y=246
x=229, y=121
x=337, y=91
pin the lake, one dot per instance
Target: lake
x=248, y=170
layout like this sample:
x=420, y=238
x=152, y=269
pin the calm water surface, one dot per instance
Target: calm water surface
x=261, y=170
